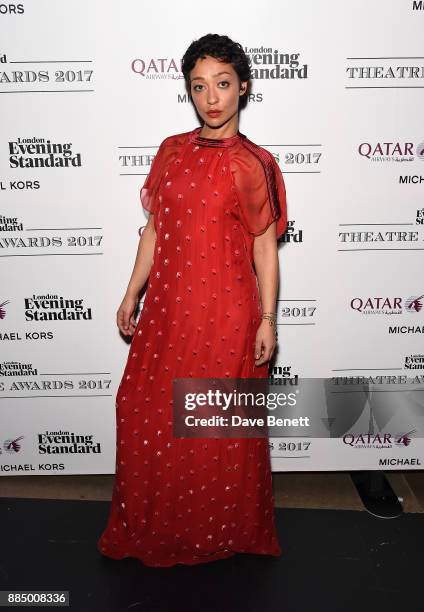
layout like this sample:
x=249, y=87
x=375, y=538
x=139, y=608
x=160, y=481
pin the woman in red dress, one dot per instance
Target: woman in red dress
x=217, y=206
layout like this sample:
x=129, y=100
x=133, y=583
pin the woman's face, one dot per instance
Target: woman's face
x=215, y=86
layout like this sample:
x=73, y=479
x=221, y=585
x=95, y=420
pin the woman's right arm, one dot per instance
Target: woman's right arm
x=142, y=266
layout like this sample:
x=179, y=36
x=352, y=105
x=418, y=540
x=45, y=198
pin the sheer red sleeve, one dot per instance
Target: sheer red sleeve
x=260, y=189
x=150, y=188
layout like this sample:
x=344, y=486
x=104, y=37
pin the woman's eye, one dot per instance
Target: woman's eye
x=225, y=83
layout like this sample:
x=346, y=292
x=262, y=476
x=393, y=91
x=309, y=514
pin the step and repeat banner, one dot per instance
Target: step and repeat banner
x=88, y=90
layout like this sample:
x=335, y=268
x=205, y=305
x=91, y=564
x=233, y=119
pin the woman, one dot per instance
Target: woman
x=217, y=206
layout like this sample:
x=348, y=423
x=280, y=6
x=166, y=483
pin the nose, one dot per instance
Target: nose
x=212, y=96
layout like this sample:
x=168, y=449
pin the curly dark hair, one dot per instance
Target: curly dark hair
x=222, y=48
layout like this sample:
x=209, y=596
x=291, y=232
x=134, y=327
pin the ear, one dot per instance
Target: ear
x=243, y=87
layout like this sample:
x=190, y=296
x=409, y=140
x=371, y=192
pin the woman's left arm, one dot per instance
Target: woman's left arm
x=265, y=257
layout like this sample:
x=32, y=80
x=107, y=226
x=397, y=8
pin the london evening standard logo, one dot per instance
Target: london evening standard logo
x=387, y=305
x=16, y=368
x=414, y=362
x=42, y=153
x=52, y=307
x=67, y=443
x=267, y=63
x=293, y=234
x=391, y=151
x=10, y=224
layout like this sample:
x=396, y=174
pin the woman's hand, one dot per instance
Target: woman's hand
x=125, y=315
x=265, y=342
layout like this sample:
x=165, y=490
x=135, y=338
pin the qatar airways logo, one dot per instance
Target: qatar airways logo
x=387, y=305
x=157, y=67
x=391, y=151
x=12, y=446
x=3, y=311
x=378, y=440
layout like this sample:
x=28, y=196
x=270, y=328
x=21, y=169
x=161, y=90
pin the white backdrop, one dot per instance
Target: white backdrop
x=337, y=94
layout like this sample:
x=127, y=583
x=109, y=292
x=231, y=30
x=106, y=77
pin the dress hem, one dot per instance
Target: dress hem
x=190, y=559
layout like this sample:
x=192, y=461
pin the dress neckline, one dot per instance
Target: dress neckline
x=194, y=136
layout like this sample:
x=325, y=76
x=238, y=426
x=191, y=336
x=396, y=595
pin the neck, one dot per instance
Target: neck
x=227, y=130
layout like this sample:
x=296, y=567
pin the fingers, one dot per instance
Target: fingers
x=263, y=352
x=258, y=349
x=125, y=323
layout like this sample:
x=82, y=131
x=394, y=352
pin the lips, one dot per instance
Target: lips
x=214, y=113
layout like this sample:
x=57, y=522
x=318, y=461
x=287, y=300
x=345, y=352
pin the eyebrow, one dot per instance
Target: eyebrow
x=214, y=75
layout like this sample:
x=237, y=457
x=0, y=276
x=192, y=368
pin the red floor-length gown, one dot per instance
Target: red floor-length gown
x=196, y=500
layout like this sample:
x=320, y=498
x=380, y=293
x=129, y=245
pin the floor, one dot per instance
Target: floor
x=336, y=555
x=320, y=490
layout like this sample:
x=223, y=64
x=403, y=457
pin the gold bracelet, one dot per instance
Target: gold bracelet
x=271, y=319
